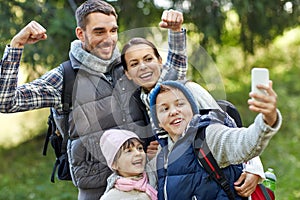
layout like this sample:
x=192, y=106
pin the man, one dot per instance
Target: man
x=97, y=81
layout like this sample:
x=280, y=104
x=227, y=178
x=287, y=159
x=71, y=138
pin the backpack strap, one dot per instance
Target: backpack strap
x=51, y=129
x=69, y=75
x=212, y=168
x=207, y=160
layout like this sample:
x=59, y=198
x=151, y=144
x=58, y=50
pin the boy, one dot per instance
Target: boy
x=180, y=175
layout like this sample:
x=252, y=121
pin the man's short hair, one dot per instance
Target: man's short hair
x=91, y=6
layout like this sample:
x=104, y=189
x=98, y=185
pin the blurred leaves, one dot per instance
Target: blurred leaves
x=55, y=15
x=262, y=21
x=258, y=23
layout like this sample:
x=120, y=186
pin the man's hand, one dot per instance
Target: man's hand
x=30, y=34
x=152, y=149
x=171, y=19
x=246, y=184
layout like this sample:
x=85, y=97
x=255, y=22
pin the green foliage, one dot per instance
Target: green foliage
x=282, y=58
x=25, y=174
x=259, y=23
x=56, y=16
x=145, y=14
x=285, y=73
x=262, y=21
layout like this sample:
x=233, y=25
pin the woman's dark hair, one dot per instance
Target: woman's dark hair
x=137, y=41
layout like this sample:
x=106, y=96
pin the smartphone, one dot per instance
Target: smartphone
x=259, y=76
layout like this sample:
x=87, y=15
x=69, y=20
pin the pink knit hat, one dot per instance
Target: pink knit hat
x=111, y=141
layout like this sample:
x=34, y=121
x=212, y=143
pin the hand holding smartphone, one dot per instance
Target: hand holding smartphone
x=259, y=76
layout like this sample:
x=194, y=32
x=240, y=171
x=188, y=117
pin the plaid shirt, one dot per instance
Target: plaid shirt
x=46, y=90
x=42, y=92
x=177, y=57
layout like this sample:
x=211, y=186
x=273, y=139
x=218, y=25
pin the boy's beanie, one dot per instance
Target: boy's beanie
x=111, y=141
x=175, y=84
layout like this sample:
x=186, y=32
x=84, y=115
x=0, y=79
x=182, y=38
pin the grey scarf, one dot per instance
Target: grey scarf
x=90, y=62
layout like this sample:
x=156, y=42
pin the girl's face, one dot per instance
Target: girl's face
x=131, y=160
x=174, y=112
x=144, y=68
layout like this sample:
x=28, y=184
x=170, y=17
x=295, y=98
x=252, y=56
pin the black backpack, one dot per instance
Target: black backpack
x=57, y=139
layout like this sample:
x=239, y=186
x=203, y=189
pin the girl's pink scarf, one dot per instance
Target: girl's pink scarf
x=127, y=184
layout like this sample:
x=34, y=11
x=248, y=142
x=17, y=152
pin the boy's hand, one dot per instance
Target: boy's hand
x=152, y=149
x=265, y=103
x=246, y=184
x=30, y=34
x=171, y=19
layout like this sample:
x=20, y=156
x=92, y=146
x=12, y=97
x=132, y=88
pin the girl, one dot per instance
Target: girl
x=124, y=154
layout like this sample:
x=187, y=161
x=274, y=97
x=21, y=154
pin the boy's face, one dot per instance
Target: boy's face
x=131, y=161
x=144, y=68
x=174, y=112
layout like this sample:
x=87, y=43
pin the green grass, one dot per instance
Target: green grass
x=25, y=174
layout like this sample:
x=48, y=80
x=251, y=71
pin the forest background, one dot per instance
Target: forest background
x=226, y=39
